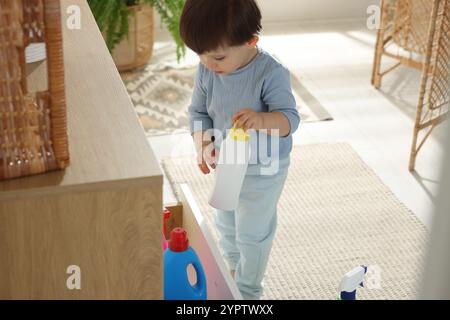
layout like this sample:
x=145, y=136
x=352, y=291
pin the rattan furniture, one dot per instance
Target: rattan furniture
x=33, y=130
x=416, y=33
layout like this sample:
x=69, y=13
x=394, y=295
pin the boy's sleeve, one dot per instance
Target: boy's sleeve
x=197, y=110
x=277, y=95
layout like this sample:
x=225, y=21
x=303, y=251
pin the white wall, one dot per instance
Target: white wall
x=297, y=10
x=274, y=11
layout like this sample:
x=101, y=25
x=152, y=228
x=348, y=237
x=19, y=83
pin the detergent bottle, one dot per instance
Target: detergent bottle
x=234, y=155
x=351, y=281
x=165, y=218
x=178, y=256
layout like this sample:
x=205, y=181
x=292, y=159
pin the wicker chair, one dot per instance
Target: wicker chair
x=416, y=33
x=33, y=129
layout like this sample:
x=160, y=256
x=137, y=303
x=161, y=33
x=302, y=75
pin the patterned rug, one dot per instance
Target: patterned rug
x=334, y=214
x=162, y=90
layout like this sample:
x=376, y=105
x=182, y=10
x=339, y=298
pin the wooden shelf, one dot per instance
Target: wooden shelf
x=104, y=212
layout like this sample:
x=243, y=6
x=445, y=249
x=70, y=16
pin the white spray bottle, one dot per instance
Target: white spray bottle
x=351, y=281
x=234, y=156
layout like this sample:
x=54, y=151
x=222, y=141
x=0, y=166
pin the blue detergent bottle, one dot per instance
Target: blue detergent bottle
x=177, y=257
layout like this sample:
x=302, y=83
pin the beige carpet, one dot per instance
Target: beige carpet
x=162, y=90
x=334, y=214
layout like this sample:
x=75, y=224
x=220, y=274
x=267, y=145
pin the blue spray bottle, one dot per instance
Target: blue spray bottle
x=351, y=281
x=177, y=257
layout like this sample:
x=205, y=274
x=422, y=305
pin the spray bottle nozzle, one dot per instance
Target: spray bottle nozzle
x=351, y=281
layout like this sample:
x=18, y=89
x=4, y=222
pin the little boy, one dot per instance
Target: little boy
x=239, y=84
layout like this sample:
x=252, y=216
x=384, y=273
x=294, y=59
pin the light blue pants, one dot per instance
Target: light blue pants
x=246, y=234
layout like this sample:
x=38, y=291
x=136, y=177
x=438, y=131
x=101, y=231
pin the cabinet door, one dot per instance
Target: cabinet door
x=220, y=285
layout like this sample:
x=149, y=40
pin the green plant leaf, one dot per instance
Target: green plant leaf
x=112, y=19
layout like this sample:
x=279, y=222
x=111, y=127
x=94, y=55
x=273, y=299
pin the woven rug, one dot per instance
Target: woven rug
x=162, y=91
x=334, y=214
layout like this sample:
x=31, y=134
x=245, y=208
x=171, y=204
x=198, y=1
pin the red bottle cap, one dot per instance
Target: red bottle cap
x=178, y=240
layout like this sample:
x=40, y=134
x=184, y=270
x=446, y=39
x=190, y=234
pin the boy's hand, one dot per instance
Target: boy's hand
x=206, y=153
x=207, y=156
x=276, y=123
x=248, y=119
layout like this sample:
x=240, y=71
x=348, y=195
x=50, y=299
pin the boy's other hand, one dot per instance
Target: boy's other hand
x=248, y=119
x=207, y=155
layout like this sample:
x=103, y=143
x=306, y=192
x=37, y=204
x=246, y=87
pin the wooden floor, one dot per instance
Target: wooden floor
x=333, y=61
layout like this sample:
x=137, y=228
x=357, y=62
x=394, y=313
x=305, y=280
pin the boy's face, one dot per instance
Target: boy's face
x=226, y=60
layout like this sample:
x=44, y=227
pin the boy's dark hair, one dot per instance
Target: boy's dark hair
x=205, y=25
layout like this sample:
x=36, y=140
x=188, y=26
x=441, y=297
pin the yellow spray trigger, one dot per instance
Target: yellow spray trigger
x=238, y=134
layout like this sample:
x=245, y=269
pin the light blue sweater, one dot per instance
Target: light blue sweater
x=263, y=85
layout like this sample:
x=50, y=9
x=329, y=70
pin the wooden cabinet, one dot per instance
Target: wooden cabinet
x=103, y=213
